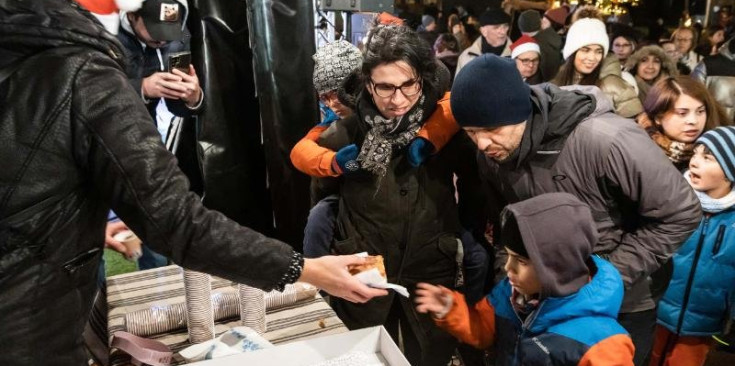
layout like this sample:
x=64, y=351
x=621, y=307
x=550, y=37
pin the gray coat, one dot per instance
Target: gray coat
x=718, y=74
x=643, y=207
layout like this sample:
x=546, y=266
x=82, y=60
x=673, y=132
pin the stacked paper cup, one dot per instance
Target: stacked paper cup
x=252, y=308
x=199, y=311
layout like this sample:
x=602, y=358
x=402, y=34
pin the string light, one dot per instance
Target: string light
x=607, y=7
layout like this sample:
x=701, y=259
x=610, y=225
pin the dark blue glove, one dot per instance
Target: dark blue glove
x=346, y=159
x=329, y=115
x=418, y=150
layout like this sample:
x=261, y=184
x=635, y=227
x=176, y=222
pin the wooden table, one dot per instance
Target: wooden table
x=164, y=286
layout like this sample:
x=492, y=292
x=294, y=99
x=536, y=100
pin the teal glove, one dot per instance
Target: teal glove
x=346, y=159
x=418, y=150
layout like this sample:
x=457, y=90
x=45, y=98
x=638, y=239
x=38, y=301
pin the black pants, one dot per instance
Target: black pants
x=641, y=326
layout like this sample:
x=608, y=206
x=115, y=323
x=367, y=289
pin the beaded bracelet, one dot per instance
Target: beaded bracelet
x=294, y=271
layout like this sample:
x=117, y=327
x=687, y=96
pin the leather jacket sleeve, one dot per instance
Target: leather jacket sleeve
x=119, y=148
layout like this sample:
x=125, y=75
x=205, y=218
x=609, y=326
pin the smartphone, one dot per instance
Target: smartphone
x=179, y=60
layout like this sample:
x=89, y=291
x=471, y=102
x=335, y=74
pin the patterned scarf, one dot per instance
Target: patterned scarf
x=678, y=152
x=386, y=136
x=522, y=305
x=713, y=205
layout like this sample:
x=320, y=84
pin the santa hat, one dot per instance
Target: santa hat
x=585, y=32
x=524, y=44
x=106, y=10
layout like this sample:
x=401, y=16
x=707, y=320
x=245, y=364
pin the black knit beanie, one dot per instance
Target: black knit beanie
x=510, y=235
x=489, y=92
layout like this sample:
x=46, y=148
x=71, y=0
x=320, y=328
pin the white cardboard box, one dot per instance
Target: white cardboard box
x=373, y=340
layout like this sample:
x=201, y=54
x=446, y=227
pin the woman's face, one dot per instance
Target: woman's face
x=395, y=88
x=671, y=51
x=622, y=48
x=718, y=37
x=684, y=40
x=685, y=122
x=587, y=58
x=649, y=68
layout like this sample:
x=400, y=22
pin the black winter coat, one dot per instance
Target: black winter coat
x=75, y=141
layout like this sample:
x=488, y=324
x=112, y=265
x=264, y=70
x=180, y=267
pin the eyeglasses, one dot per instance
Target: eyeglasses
x=622, y=45
x=409, y=88
x=681, y=40
x=327, y=96
x=528, y=61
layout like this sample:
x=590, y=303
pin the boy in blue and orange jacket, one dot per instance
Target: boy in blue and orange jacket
x=558, y=304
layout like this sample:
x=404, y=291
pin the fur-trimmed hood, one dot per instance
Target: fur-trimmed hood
x=668, y=66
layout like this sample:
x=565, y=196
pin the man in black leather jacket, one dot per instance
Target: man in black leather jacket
x=75, y=141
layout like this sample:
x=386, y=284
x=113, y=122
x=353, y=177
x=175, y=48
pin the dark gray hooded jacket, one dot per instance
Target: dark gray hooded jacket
x=574, y=143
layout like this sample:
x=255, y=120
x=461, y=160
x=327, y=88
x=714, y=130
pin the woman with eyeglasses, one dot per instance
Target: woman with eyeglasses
x=337, y=81
x=685, y=39
x=585, y=50
x=391, y=206
x=648, y=65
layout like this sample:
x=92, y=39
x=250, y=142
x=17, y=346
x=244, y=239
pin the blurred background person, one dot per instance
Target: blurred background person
x=648, y=65
x=685, y=39
x=586, y=46
x=718, y=74
x=712, y=38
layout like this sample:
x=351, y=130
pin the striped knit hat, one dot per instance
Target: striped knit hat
x=721, y=141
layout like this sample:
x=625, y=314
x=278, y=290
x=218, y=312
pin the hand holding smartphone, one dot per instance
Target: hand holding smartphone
x=180, y=61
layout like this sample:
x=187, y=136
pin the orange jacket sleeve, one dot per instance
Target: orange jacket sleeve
x=310, y=158
x=612, y=351
x=474, y=326
x=441, y=125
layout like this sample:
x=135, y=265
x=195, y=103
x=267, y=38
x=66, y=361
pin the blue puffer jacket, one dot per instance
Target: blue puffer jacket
x=563, y=329
x=701, y=290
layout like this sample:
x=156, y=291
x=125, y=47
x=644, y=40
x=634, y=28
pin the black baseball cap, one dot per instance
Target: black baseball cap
x=163, y=19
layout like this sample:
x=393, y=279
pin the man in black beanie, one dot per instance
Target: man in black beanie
x=494, y=25
x=542, y=139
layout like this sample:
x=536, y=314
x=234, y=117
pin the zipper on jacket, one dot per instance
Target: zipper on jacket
x=525, y=326
x=718, y=240
x=692, y=271
x=77, y=262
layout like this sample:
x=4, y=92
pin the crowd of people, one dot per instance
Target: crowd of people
x=551, y=188
x=577, y=122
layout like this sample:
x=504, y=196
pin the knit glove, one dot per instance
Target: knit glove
x=345, y=161
x=329, y=115
x=418, y=150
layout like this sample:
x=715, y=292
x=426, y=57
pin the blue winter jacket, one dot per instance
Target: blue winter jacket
x=563, y=329
x=701, y=290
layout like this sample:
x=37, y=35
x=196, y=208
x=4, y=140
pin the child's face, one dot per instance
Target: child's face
x=706, y=174
x=522, y=274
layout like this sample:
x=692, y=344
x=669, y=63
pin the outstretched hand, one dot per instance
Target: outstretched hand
x=330, y=274
x=436, y=300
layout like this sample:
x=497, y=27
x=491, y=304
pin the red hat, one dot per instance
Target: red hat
x=389, y=19
x=558, y=15
x=524, y=44
x=104, y=7
x=106, y=11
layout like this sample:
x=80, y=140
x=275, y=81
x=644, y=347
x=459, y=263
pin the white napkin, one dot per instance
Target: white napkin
x=234, y=341
x=373, y=278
